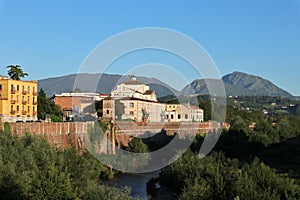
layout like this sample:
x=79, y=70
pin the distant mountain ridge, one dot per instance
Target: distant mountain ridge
x=236, y=84
x=239, y=83
x=105, y=83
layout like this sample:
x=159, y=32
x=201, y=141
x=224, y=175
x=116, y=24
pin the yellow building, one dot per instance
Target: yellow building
x=18, y=100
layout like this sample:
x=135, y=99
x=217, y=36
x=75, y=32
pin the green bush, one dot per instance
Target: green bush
x=217, y=177
x=31, y=169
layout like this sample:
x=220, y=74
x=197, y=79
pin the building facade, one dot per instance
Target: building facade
x=140, y=110
x=133, y=88
x=77, y=102
x=140, y=104
x=108, y=108
x=18, y=100
x=184, y=113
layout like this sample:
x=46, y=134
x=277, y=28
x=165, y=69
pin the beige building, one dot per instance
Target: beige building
x=141, y=110
x=133, y=88
x=140, y=104
x=134, y=109
x=109, y=108
x=183, y=113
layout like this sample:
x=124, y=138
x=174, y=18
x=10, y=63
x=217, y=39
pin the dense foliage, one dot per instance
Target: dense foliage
x=257, y=158
x=218, y=177
x=136, y=145
x=46, y=106
x=31, y=169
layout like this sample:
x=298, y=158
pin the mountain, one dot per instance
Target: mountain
x=236, y=84
x=102, y=83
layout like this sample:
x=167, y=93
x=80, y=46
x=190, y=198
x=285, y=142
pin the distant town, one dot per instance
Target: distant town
x=130, y=100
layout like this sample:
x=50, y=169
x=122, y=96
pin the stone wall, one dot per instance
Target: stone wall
x=60, y=134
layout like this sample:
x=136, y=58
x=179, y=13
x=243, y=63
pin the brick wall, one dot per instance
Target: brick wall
x=66, y=102
x=60, y=134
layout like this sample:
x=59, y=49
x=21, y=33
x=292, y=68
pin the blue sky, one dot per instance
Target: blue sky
x=52, y=38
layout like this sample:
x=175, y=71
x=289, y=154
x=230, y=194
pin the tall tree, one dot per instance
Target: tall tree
x=47, y=106
x=15, y=72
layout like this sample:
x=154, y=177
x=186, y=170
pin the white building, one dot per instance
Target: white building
x=183, y=113
x=141, y=105
x=133, y=88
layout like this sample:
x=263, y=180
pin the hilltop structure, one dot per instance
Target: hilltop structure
x=133, y=88
x=141, y=105
x=18, y=100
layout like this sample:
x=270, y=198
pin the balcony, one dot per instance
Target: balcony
x=24, y=112
x=13, y=101
x=34, y=93
x=24, y=92
x=35, y=103
x=13, y=91
x=12, y=112
x=24, y=102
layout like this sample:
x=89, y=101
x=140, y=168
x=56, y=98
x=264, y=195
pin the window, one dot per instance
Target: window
x=11, y=108
x=28, y=108
x=0, y=87
x=23, y=88
x=28, y=88
x=18, y=108
x=12, y=97
x=33, y=108
x=167, y=116
x=23, y=109
x=179, y=116
x=107, y=111
x=33, y=99
x=11, y=87
x=186, y=116
x=131, y=113
x=18, y=87
x=131, y=105
x=172, y=116
x=28, y=99
x=23, y=99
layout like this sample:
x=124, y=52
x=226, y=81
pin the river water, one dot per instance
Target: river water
x=137, y=183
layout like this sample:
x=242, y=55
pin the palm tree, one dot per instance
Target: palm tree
x=15, y=72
